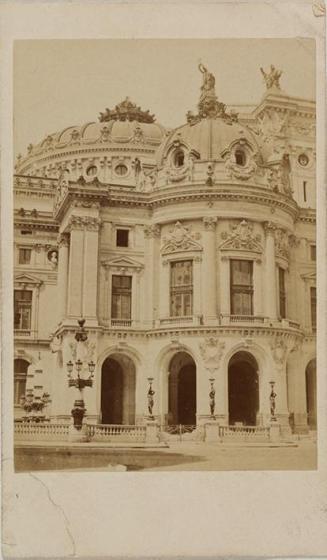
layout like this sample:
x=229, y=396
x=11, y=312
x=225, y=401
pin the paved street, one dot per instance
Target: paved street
x=218, y=458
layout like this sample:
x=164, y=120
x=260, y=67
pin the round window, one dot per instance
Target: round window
x=121, y=169
x=179, y=158
x=91, y=171
x=303, y=159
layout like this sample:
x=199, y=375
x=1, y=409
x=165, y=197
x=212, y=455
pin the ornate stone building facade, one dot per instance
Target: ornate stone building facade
x=190, y=253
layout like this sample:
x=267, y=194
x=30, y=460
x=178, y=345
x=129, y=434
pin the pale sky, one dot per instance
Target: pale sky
x=61, y=83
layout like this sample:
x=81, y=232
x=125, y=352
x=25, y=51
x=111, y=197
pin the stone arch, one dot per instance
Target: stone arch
x=135, y=358
x=311, y=393
x=118, y=389
x=243, y=388
x=161, y=365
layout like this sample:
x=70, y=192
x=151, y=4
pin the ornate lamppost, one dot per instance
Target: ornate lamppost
x=75, y=374
x=150, y=396
x=272, y=398
x=212, y=400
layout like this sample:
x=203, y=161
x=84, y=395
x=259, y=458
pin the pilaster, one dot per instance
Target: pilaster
x=209, y=271
x=270, y=273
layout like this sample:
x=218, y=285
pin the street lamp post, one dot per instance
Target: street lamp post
x=75, y=374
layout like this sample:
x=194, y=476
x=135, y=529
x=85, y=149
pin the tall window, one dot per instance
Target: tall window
x=22, y=309
x=313, y=305
x=20, y=373
x=24, y=256
x=181, y=289
x=241, y=287
x=313, y=252
x=282, y=293
x=122, y=237
x=121, y=302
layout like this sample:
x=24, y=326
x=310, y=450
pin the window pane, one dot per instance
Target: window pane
x=241, y=287
x=181, y=288
x=24, y=256
x=121, y=299
x=282, y=293
x=22, y=309
x=313, y=303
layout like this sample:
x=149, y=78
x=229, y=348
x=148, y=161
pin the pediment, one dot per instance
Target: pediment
x=241, y=237
x=122, y=262
x=185, y=245
x=27, y=279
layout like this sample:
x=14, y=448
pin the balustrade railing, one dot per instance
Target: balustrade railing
x=246, y=319
x=116, y=432
x=243, y=433
x=121, y=322
x=30, y=431
x=176, y=320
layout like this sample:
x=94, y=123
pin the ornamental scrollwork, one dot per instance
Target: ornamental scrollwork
x=152, y=231
x=241, y=237
x=211, y=351
x=235, y=171
x=180, y=239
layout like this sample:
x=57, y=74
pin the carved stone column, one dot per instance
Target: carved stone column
x=90, y=280
x=224, y=275
x=63, y=242
x=270, y=294
x=152, y=237
x=197, y=311
x=279, y=351
x=164, y=298
x=209, y=271
x=75, y=275
x=257, y=294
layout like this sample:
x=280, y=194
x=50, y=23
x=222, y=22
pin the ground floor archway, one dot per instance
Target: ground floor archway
x=182, y=390
x=243, y=389
x=311, y=394
x=118, y=380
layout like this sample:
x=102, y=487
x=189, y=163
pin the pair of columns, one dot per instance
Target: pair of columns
x=78, y=269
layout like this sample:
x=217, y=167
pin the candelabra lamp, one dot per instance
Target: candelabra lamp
x=212, y=400
x=272, y=398
x=150, y=396
x=76, y=377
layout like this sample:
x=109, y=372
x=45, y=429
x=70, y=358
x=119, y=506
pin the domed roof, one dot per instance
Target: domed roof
x=127, y=123
x=209, y=137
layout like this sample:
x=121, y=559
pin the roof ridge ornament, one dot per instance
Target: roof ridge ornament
x=127, y=111
x=209, y=106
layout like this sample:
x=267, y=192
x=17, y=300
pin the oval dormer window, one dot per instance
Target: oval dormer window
x=240, y=158
x=121, y=169
x=179, y=158
x=91, y=171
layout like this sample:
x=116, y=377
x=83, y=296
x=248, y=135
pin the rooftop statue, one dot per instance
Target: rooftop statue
x=208, y=83
x=127, y=111
x=272, y=78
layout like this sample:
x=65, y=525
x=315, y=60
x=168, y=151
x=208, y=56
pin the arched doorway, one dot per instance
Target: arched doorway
x=311, y=394
x=243, y=389
x=182, y=390
x=20, y=377
x=118, y=390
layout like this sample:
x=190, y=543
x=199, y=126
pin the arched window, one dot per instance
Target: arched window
x=20, y=375
x=179, y=158
x=240, y=157
x=121, y=169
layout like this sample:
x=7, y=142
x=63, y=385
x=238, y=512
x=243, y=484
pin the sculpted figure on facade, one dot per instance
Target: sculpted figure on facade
x=272, y=77
x=279, y=351
x=180, y=239
x=241, y=236
x=211, y=351
x=282, y=248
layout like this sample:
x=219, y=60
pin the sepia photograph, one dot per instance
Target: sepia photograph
x=164, y=260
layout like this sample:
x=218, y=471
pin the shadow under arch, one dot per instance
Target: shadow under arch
x=118, y=389
x=243, y=389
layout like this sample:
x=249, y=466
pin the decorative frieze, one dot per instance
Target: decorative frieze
x=180, y=239
x=241, y=237
x=282, y=249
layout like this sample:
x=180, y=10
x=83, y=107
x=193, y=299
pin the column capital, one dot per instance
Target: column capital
x=152, y=231
x=269, y=227
x=90, y=223
x=209, y=223
x=63, y=240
